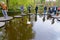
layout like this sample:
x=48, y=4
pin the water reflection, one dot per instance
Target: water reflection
x=18, y=29
x=49, y=16
x=53, y=20
x=43, y=19
x=45, y=30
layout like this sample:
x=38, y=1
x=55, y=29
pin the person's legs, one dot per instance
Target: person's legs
x=55, y=12
x=5, y=13
x=44, y=12
x=36, y=11
x=29, y=11
x=22, y=11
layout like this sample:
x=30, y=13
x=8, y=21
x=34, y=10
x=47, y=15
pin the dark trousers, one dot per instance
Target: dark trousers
x=36, y=11
x=29, y=11
x=54, y=12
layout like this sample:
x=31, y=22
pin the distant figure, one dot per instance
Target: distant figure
x=29, y=9
x=58, y=8
x=22, y=9
x=55, y=9
x=45, y=10
x=4, y=9
x=50, y=10
x=36, y=9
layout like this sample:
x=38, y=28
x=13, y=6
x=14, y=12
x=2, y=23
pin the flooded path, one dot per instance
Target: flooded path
x=18, y=29
x=46, y=30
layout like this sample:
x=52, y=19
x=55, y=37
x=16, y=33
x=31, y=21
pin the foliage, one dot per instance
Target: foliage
x=17, y=3
x=42, y=1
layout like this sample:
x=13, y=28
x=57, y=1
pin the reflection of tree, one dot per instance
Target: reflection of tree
x=26, y=32
x=19, y=31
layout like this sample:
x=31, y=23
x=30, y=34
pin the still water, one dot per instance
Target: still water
x=18, y=29
x=46, y=30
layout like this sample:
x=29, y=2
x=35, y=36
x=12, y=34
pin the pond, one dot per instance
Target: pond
x=18, y=29
x=46, y=30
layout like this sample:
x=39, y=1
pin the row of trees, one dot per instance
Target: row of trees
x=18, y=3
x=13, y=4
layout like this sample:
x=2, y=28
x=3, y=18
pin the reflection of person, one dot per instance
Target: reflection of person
x=43, y=18
x=4, y=9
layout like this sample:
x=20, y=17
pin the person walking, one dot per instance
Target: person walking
x=22, y=9
x=36, y=9
x=55, y=9
x=45, y=10
x=4, y=9
x=29, y=9
x=50, y=10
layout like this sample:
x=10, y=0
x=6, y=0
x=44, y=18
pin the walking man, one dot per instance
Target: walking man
x=45, y=10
